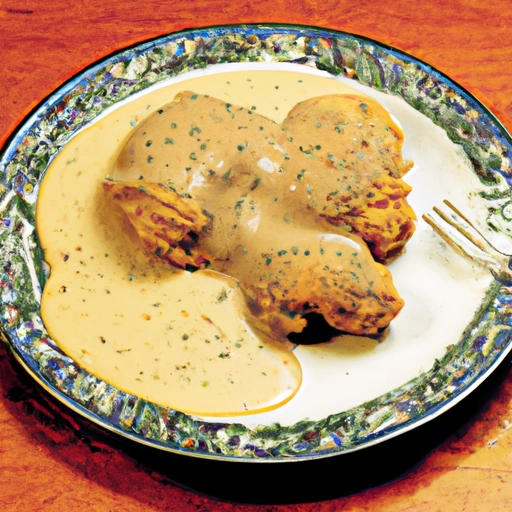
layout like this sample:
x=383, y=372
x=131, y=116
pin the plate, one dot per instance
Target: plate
x=465, y=359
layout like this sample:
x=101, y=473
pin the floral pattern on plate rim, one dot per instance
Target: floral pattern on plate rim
x=484, y=343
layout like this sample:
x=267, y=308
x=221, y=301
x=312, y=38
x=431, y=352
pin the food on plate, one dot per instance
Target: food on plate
x=201, y=342
x=284, y=208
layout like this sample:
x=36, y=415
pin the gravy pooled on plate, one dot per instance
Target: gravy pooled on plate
x=176, y=338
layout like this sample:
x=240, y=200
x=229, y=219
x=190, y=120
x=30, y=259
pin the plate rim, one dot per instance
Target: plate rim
x=24, y=125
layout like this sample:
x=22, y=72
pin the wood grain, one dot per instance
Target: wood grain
x=51, y=459
x=44, y=44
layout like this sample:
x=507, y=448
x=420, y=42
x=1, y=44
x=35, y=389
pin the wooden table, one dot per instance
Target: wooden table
x=52, y=459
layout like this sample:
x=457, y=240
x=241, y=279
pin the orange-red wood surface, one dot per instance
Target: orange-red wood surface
x=51, y=459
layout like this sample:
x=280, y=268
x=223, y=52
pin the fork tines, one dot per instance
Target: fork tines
x=458, y=232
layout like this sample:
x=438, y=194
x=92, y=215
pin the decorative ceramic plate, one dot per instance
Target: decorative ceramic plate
x=453, y=332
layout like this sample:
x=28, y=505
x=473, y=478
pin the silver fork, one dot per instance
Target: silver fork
x=458, y=232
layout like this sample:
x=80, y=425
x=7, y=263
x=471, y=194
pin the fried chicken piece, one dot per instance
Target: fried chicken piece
x=167, y=224
x=351, y=149
x=303, y=270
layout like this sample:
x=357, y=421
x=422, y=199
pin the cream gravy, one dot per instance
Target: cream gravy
x=174, y=338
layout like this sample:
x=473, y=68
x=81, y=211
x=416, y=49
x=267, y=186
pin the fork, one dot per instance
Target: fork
x=460, y=234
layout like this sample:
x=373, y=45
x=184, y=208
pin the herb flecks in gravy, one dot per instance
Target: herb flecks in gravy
x=282, y=202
